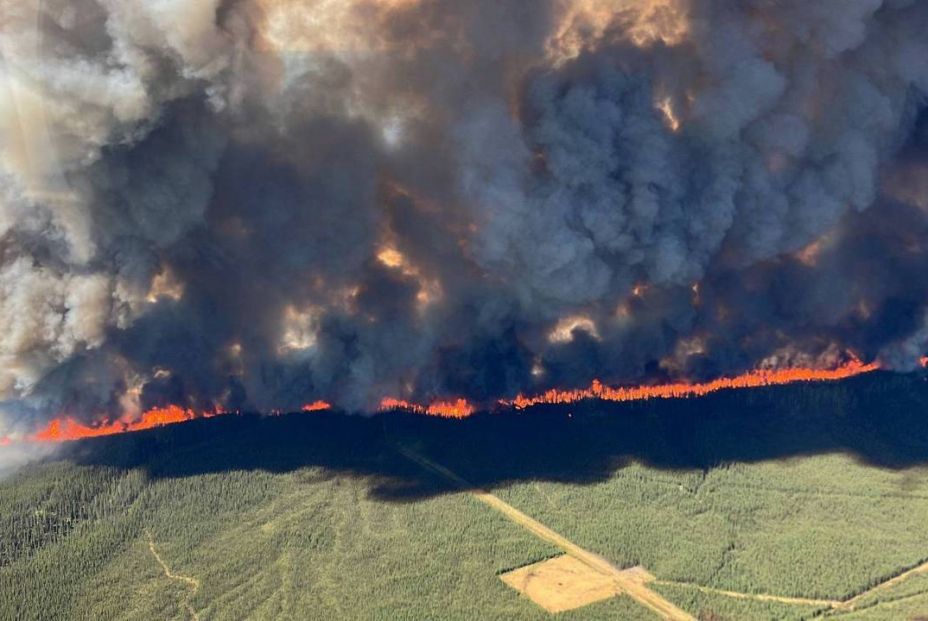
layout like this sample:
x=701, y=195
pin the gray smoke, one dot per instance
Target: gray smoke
x=260, y=203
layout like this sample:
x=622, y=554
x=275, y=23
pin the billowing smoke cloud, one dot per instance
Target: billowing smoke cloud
x=258, y=203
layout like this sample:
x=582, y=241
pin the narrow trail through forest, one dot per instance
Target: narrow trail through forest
x=193, y=583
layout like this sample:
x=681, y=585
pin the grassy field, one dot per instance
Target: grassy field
x=815, y=492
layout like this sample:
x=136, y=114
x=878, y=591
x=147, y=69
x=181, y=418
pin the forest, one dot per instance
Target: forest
x=816, y=492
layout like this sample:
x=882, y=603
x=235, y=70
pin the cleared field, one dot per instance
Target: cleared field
x=629, y=581
x=751, y=529
x=581, y=577
x=561, y=583
x=308, y=543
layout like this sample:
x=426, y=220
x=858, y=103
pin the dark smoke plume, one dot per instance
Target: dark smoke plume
x=259, y=203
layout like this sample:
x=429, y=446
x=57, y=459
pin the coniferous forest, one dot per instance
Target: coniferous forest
x=816, y=492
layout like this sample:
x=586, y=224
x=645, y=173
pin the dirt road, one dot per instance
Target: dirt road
x=835, y=604
x=850, y=603
x=633, y=588
x=760, y=597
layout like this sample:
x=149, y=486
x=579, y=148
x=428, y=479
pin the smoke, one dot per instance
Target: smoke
x=260, y=203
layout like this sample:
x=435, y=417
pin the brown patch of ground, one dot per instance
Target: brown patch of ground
x=561, y=583
x=630, y=582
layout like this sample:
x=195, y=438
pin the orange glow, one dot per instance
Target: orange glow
x=680, y=390
x=329, y=26
x=563, y=331
x=809, y=255
x=430, y=289
x=459, y=408
x=165, y=285
x=67, y=428
x=670, y=116
x=391, y=257
x=584, y=24
x=316, y=406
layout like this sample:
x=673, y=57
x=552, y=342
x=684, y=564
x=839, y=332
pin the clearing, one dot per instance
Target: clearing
x=629, y=582
x=561, y=583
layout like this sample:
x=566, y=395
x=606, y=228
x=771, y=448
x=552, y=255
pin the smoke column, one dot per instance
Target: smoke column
x=257, y=204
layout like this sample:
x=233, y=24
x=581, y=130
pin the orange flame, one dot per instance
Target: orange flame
x=67, y=428
x=459, y=408
x=679, y=390
x=316, y=406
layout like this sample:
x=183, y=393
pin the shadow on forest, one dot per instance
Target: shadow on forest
x=880, y=418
